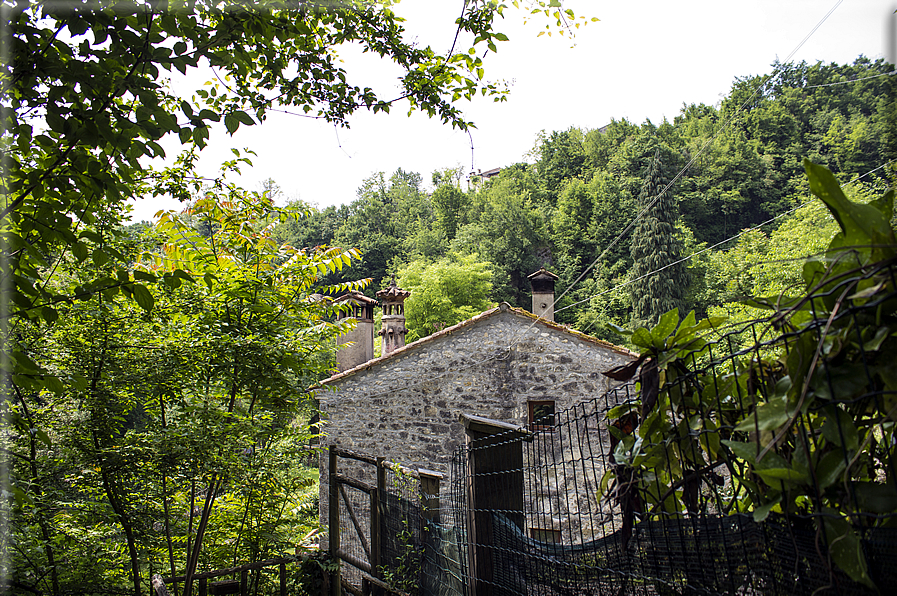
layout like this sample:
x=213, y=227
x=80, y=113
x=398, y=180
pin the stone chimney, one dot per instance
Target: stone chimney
x=392, y=328
x=361, y=339
x=543, y=293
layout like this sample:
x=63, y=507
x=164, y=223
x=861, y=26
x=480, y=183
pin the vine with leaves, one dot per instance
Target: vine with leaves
x=801, y=424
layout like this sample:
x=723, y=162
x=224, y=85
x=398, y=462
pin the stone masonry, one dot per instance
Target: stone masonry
x=406, y=406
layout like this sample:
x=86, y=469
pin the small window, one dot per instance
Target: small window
x=541, y=415
x=545, y=535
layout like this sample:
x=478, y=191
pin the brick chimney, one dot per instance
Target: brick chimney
x=360, y=340
x=392, y=327
x=542, y=282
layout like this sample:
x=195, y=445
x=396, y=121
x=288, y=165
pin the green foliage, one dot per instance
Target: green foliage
x=76, y=152
x=805, y=426
x=769, y=265
x=313, y=576
x=445, y=292
x=450, y=205
x=507, y=224
x=179, y=420
x=575, y=202
x=142, y=390
x=402, y=573
x=655, y=250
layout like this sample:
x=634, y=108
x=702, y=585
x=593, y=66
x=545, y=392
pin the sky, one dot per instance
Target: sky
x=641, y=60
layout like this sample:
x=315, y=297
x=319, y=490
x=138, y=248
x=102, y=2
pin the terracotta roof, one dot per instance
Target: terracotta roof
x=357, y=296
x=503, y=307
x=543, y=272
x=393, y=292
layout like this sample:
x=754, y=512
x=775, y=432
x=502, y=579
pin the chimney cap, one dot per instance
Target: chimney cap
x=542, y=274
x=393, y=293
x=356, y=296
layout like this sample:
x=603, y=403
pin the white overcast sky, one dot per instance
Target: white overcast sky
x=643, y=59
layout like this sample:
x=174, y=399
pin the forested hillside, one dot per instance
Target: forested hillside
x=577, y=199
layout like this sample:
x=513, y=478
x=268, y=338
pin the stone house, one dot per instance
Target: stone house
x=505, y=364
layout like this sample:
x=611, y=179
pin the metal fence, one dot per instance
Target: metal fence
x=380, y=517
x=735, y=497
x=730, y=496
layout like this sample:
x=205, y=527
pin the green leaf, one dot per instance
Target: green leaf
x=24, y=363
x=244, y=118
x=830, y=468
x=52, y=383
x=876, y=498
x=79, y=250
x=21, y=496
x=746, y=451
x=762, y=512
x=145, y=276
x=665, y=327
x=773, y=476
x=881, y=334
x=143, y=297
x=100, y=257
x=861, y=225
x=766, y=416
x=49, y=314
x=42, y=436
x=231, y=123
x=839, y=425
x=845, y=548
x=642, y=338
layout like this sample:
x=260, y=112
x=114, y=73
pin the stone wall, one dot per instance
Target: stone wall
x=406, y=407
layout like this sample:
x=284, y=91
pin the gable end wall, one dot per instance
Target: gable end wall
x=406, y=409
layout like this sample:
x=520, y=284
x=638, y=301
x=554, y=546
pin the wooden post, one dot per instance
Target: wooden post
x=496, y=483
x=244, y=582
x=283, y=579
x=159, y=588
x=376, y=538
x=429, y=496
x=333, y=529
x=203, y=587
x=428, y=484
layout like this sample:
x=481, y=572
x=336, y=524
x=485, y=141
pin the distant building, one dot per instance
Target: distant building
x=480, y=176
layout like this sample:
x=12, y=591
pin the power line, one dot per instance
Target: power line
x=703, y=250
x=881, y=74
x=506, y=352
x=772, y=78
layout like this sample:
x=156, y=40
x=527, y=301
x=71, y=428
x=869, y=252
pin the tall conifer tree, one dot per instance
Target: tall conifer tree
x=654, y=247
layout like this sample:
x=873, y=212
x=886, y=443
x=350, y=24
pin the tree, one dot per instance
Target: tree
x=444, y=292
x=83, y=102
x=654, y=249
x=506, y=225
x=175, y=424
x=450, y=205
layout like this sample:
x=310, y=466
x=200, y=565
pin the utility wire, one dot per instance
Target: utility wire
x=703, y=250
x=505, y=353
x=725, y=125
x=881, y=74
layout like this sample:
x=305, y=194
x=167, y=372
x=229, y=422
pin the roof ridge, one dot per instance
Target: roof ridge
x=501, y=307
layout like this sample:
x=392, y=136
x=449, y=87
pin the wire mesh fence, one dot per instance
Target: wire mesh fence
x=753, y=466
x=761, y=462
